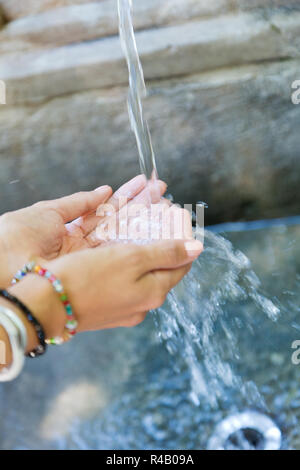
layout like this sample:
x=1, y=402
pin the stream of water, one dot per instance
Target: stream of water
x=194, y=320
x=137, y=91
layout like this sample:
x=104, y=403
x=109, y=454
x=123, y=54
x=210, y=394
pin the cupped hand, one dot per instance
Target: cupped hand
x=117, y=285
x=50, y=229
x=137, y=193
x=109, y=287
x=145, y=218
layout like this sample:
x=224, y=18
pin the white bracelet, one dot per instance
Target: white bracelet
x=17, y=335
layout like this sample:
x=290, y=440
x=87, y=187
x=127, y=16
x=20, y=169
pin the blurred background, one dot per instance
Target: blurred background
x=219, y=75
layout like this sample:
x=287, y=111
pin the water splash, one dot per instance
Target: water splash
x=193, y=321
x=197, y=328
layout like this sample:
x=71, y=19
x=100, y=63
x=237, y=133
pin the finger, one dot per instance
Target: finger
x=125, y=193
x=170, y=254
x=160, y=283
x=79, y=204
x=141, y=202
x=179, y=223
x=89, y=223
x=166, y=280
x=128, y=191
x=118, y=202
x=151, y=194
x=86, y=224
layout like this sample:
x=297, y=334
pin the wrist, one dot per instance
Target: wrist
x=63, y=271
x=14, y=250
x=38, y=295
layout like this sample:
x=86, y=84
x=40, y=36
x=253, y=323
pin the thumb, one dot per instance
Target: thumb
x=79, y=204
x=170, y=254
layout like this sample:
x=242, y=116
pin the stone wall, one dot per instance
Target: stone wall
x=219, y=75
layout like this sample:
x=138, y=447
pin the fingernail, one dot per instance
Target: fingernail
x=193, y=248
x=103, y=189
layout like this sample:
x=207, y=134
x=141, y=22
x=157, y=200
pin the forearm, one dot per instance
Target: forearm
x=38, y=295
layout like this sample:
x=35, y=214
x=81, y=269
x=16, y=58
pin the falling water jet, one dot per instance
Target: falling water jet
x=137, y=91
x=193, y=321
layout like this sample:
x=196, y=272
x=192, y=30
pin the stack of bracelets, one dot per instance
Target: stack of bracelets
x=16, y=330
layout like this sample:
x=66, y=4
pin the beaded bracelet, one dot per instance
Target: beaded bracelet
x=41, y=349
x=71, y=324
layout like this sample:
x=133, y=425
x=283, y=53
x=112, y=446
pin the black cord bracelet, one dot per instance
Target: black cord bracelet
x=41, y=349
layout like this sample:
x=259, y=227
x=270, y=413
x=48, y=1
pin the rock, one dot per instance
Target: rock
x=88, y=21
x=184, y=8
x=54, y=23
x=170, y=51
x=60, y=26
x=251, y=4
x=16, y=8
x=227, y=137
x=219, y=75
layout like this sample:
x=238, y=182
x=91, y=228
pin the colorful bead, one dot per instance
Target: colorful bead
x=58, y=286
x=71, y=325
x=29, y=266
x=69, y=310
x=20, y=274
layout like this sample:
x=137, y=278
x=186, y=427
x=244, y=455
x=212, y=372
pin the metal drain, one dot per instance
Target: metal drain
x=249, y=430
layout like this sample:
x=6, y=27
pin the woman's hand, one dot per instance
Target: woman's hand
x=123, y=282
x=40, y=231
x=108, y=287
x=44, y=229
x=136, y=194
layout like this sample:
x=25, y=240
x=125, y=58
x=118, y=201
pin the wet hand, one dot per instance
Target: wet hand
x=50, y=229
x=117, y=285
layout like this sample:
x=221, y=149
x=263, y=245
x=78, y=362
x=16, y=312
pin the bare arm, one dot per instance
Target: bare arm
x=108, y=287
x=38, y=295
